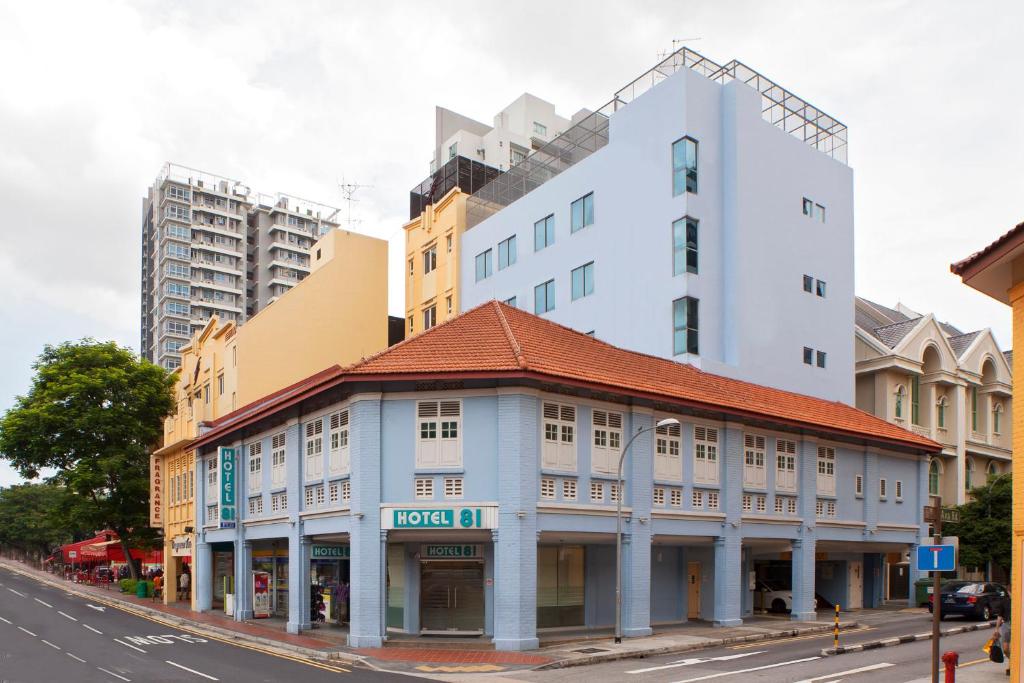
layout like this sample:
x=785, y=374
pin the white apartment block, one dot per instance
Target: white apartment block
x=523, y=126
x=705, y=214
x=209, y=247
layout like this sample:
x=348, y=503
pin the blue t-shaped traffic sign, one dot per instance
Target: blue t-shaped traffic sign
x=936, y=558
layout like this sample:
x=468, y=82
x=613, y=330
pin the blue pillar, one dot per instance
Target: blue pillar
x=803, y=579
x=728, y=568
x=489, y=584
x=638, y=471
x=298, y=581
x=515, y=547
x=243, y=581
x=202, y=576
x=923, y=499
x=367, y=565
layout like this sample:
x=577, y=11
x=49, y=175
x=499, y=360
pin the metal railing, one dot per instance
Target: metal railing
x=779, y=107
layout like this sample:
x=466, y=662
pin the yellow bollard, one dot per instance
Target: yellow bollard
x=835, y=631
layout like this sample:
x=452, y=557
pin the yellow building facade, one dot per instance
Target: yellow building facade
x=337, y=315
x=432, y=242
x=998, y=271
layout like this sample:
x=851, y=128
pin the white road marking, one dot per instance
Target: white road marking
x=118, y=640
x=4, y=620
x=745, y=671
x=51, y=645
x=66, y=615
x=691, y=662
x=92, y=629
x=111, y=673
x=16, y=592
x=98, y=609
x=197, y=673
x=27, y=631
x=75, y=657
x=829, y=677
x=43, y=603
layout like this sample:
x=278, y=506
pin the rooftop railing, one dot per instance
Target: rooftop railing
x=779, y=107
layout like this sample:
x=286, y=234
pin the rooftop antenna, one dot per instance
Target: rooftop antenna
x=348, y=191
x=676, y=43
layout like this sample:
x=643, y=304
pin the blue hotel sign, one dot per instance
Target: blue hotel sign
x=438, y=518
x=227, y=489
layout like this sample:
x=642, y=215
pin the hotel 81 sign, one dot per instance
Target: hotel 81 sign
x=482, y=517
x=227, y=477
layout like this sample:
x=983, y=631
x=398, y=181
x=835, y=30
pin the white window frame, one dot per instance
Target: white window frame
x=899, y=490
x=558, y=436
x=675, y=498
x=786, y=465
x=858, y=485
x=315, y=450
x=547, y=488
x=597, y=492
x=668, y=448
x=569, y=489
x=713, y=500
x=278, y=459
x=705, y=454
x=424, y=488
x=658, y=496
x=453, y=487
x=697, y=499
x=826, y=470
x=754, y=470
x=606, y=441
x=339, y=461
x=439, y=434
x=255, y=466
x=883, y=489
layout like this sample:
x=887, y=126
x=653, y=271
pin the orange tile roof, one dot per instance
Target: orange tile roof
x=495, y=339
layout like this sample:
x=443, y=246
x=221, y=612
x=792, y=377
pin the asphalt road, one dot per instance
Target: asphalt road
x=788, y=661
x=49, y=635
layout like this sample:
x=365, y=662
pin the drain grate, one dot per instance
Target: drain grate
x=590, y=650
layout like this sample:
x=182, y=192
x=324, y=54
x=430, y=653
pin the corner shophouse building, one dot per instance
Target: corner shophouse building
x=469, y=472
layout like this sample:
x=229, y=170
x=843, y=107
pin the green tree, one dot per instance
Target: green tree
x=984, y=527
x=92, y=414
x=34, y=519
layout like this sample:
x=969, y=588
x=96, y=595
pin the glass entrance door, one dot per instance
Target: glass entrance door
x=452, y=597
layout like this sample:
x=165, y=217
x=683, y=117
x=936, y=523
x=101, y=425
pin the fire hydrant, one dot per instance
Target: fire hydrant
x=950, y=659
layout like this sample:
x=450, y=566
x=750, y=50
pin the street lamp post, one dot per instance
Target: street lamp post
x=618, y=525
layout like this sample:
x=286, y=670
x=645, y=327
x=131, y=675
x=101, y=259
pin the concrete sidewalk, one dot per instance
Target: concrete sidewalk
x=578, y=648
x=983, y=672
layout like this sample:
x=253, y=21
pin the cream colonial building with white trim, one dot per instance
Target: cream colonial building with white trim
x=939, y=382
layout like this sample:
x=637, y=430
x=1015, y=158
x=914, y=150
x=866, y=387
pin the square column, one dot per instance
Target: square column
x=202, y=577
x=638, y=472
x=243, y=581
x=803, y=607
x=728, y=580
x=515, y=541
x=298, y=582
x=367, y=541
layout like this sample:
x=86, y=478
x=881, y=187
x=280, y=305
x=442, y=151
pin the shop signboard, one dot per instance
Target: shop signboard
x=482, y=517
x=260, y=595
x=181, y=546
x=450, y=551
x=156, y=491
x=329, y=552
x=226, y=486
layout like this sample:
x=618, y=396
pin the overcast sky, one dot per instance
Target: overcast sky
x=291, y=96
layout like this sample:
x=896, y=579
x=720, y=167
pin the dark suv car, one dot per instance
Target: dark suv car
x=977, y=600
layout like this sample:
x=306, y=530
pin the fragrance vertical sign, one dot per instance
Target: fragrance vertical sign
x=227, y=476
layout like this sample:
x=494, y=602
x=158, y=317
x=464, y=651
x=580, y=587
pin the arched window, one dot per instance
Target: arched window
x=968, y=474
x=941, y=412
x=992, y=470
x=997, y=415
x=901, y=395
x=933, y=477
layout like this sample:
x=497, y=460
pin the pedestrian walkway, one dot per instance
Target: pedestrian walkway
x=981, y=672
x=420, y=655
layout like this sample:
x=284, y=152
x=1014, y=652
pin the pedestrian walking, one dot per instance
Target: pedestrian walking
x=183, y=584
x=1002, y=632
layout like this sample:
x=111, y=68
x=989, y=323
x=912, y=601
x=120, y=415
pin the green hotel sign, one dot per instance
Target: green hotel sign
x=449, y=552
x=438, y=518
x=330, y=552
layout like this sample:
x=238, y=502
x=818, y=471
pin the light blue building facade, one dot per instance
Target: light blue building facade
x=483, y=504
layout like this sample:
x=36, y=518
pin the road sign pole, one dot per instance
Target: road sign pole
x=936, y=592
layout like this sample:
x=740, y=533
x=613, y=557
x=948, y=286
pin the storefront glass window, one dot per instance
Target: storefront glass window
x=396, y=586
x=559, y=586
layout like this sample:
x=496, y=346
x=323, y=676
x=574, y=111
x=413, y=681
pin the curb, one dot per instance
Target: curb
x=689, y=647
x=198, y=627
x=901, y=640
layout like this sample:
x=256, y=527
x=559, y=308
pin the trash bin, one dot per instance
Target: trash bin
x=922, y=589
x=141, y=589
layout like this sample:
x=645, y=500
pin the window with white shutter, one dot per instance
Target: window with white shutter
x=255, y=467
x=668, y=464
x=346, y=491
x=705, y=454
x=568, y=489
x=314, y=450
x=658, y=497
x=310, y=494
x=211, y=476
x=277, y=459
x=438, y=434
x=338, y=458
x=753, y=461
x=826, y=470
x=675, y=498
x=712, y=500
x=785, y=465
x=424, y=488
x=596, y=492
x=697, y=499
x=547, y=488
x=559, y=432
x=333, y=489
x=607, y=431
x=453, y=487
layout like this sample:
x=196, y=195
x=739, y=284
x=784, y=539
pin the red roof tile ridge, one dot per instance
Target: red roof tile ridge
x=513, y=342
x=962, y=265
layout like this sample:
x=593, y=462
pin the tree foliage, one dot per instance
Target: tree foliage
x=93, y=413
x=984, y=527
x=34, y=518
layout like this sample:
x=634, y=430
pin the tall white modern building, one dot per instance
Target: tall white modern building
x=210, y=246
x=705, y=214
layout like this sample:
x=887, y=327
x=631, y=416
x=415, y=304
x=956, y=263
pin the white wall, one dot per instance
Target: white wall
x=754, y=242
